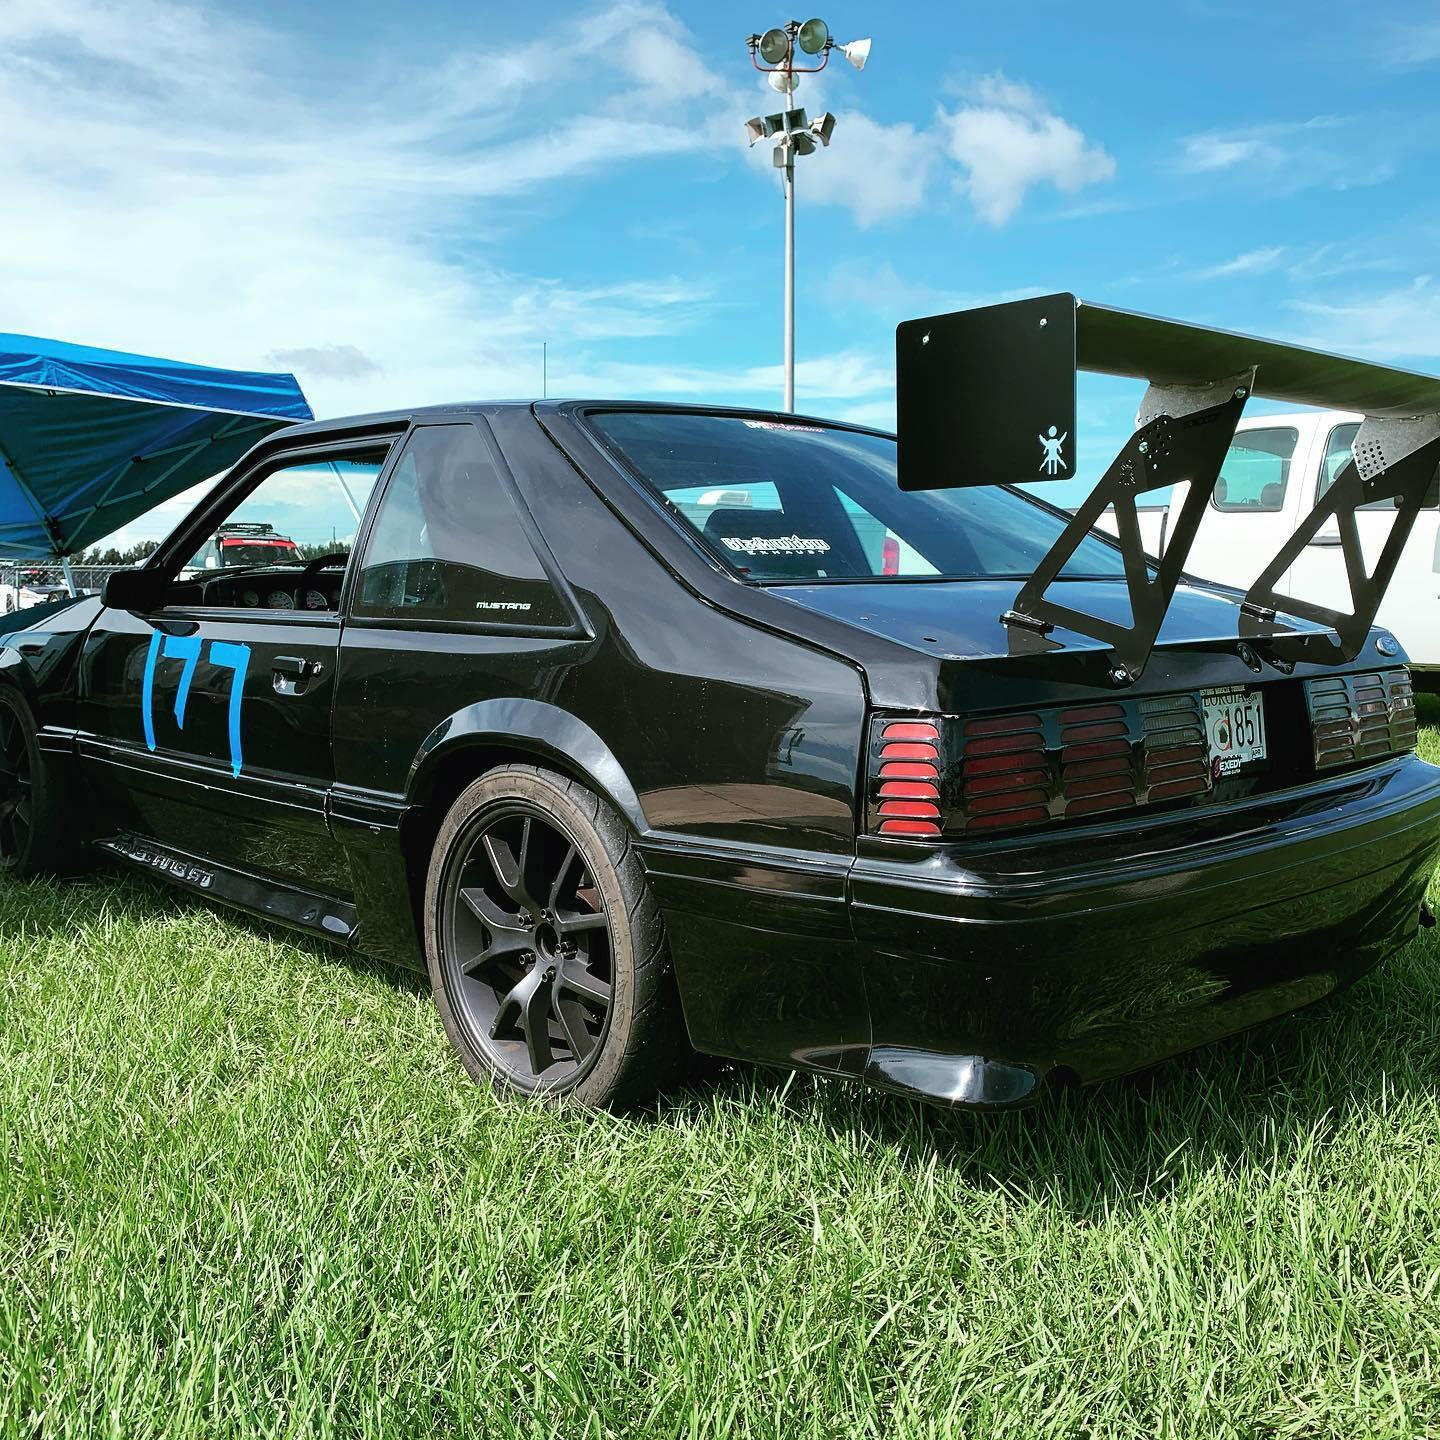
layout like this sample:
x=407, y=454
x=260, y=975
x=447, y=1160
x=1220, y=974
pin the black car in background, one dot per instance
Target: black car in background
x=646, y=729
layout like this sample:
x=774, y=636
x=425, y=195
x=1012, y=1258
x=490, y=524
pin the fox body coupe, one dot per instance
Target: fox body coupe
x=648, y=730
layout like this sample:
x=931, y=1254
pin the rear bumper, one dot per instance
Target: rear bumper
x=988, y=970
x=968, y=974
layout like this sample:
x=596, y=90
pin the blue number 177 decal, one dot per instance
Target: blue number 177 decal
x=186, y=648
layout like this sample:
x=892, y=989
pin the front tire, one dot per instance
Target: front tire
x=34, y=836
x=545, y=948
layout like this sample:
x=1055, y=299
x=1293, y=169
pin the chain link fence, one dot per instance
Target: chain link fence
x=24, y=583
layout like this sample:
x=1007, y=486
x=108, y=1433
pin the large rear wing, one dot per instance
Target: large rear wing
x=988, y=396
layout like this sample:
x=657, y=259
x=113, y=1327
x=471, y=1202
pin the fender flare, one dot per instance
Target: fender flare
x=531, y=725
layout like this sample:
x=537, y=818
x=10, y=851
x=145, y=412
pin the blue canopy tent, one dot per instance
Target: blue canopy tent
x=91, y=439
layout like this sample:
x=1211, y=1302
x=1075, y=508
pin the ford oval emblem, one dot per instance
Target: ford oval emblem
x=1387, y=644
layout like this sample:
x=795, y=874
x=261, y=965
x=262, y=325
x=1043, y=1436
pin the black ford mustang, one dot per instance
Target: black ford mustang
x=646, y=729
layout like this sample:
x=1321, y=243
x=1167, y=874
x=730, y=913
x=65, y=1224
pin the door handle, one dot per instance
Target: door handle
x=1324, y=538
x=290, y=674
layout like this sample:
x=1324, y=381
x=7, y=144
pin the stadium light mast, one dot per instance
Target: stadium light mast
x=793, y=132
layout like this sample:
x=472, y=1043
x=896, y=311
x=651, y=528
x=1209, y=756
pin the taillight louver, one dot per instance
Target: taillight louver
x=1097, y=771
x=909, y=776
x=1004, y=772
x=1354, y=718
x=1177, y=754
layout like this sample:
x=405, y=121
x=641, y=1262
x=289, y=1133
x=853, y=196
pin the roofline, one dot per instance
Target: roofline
x=460, y=409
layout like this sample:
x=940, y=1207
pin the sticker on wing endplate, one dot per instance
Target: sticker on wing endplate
x=776, y=545
x=186, y=648
x=1051, y=444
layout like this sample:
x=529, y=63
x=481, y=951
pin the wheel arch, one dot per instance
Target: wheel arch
x=491, y=733
x=519, y=729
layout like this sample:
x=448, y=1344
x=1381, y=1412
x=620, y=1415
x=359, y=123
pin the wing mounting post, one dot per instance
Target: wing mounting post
x=1393, y=459
x=1182, y=435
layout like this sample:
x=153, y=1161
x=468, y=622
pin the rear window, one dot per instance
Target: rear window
x=780, y=501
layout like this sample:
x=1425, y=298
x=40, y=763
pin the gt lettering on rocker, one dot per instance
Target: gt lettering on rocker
x=186, y=648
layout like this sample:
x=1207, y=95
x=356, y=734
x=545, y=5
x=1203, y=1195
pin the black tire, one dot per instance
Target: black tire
x=523, y=952
x=34, y=838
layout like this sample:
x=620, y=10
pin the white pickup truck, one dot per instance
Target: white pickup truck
x=1276, y=469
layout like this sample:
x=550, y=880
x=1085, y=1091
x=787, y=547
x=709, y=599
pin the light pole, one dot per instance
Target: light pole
x=796, y=134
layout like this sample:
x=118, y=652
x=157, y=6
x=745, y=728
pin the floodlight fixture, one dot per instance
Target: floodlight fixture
x=813, y=36
x=762, y=127
x=793, y=132
x=775, y=47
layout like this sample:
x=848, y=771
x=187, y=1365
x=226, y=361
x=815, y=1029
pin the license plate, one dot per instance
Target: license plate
x=1234, y=728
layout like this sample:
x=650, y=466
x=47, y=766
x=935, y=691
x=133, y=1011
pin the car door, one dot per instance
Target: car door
x=1319, y=575
x=206, y=719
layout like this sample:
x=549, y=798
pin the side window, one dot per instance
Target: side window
x=1256, y=471
x=448, y=543
x=297, y=511
x=1337, y=456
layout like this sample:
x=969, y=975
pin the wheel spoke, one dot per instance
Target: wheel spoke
x=508, y=935
x=574, y=979
x=509, y=871
x=560, y=875
x=527, y=1007
x=572, y=922
x=572, y=1022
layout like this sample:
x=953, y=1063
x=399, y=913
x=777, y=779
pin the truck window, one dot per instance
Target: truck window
x=1256, y=472
x=1337, y=456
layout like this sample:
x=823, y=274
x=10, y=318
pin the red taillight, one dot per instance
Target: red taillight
x=909, y=778
x=991, y=773
x=890, y=556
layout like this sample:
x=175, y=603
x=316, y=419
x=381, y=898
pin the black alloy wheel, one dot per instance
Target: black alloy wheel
x=546, y=950
x=17, y=790
x=529, y=946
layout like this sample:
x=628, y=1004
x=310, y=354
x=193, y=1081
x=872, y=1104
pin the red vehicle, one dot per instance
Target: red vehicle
x=241, y=543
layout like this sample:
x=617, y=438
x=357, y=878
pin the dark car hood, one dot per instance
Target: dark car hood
x=960, y=619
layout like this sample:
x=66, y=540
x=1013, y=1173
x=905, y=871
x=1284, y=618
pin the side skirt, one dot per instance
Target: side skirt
x=318, y=915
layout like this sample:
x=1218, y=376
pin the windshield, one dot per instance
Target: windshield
x=779, y=501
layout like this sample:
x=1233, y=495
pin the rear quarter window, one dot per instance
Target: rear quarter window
x=449, y=542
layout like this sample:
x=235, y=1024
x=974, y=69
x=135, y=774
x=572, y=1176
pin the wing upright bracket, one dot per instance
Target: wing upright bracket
x=1392, y=460
x=1182, y=436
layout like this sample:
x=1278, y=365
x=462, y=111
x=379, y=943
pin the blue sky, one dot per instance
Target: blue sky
x=400, y=203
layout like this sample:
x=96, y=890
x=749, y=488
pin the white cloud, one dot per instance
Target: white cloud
x=879, y=172
x=1201, y=154
x=1404, y=45
x=182, y=196
x=1295, y=153
x=1007, y=140
x=1390, y=324
x=1251, y=262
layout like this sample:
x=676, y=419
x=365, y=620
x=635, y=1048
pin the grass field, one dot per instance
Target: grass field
x=247, y=1191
